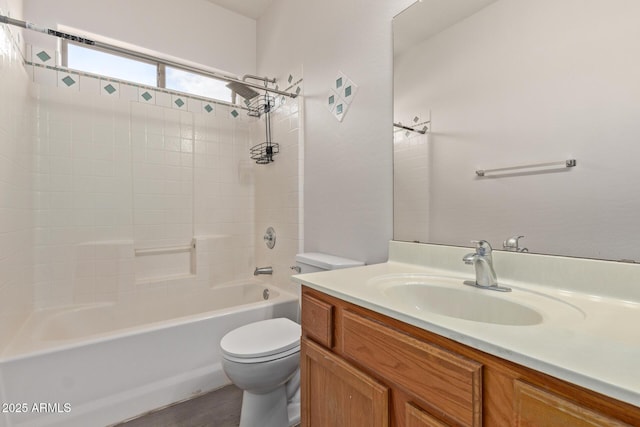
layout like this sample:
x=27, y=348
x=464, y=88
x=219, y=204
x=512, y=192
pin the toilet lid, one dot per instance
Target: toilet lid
x=263, y=338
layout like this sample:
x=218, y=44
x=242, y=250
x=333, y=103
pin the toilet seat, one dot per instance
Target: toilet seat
x=262, y=341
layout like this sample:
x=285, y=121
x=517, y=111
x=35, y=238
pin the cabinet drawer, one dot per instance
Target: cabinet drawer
x=317, y=320
x=450, y=384
x=540, y=408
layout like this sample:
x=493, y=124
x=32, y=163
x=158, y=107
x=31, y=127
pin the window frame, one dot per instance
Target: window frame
x=161, y=73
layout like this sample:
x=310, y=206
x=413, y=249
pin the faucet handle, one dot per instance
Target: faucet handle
x=482, y=247
x=512, y=244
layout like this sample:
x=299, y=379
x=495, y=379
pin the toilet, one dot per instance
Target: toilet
x=263, y=359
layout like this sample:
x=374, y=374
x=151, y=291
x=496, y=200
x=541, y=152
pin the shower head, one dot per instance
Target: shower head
x=243, y=90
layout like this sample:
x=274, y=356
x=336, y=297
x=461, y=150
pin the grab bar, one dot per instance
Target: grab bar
x=165, y=250
x=566, y=163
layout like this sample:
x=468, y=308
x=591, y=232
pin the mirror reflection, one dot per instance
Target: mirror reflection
x=516, y=88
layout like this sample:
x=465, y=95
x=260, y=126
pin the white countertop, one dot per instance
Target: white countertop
x=597, y=346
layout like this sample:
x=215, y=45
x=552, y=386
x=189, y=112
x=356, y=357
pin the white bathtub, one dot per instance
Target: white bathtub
x=95, y=365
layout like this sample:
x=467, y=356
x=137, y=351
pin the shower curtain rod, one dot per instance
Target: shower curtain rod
x=401, y=126
x=139, y=55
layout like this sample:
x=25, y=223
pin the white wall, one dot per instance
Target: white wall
x=348, y=185
x=525, y=82
x=193, y=30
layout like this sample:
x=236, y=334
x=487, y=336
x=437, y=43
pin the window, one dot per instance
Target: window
x=196, y=84
x=111, y=65
x=97, y=61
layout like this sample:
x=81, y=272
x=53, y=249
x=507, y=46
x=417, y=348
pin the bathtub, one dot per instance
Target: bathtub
x=97, y=364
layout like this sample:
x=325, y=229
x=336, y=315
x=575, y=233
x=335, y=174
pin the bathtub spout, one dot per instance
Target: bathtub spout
x=263, y=270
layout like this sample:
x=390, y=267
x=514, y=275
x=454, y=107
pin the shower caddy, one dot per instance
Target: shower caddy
x=263, y=153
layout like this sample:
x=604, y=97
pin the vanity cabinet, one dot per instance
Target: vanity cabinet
x=353, y=365
x=361, y=368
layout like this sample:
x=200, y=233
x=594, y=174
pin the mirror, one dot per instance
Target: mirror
x=518, y=84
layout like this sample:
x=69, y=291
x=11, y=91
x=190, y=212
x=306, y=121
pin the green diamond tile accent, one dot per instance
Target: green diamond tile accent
x=338, y=82
x=208, y=108
x=347, y=91
x=234, y=113
x=68, y=81
x=179, y=102
x=44, y=56
x=290, y=78
x=109, y=89
x=332, y=100
x=339, y=108
x=416, y=119
x=147, y=96
x=298, y=90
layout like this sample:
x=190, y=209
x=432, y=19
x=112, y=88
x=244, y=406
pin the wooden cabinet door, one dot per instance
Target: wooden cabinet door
x=416, y=417
x=336, y=394
x=535, y=407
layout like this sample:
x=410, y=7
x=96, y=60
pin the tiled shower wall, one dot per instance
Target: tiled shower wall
x=117, y=172
x=15, y=189
x=278, y=189
x=411, y=154
x=95, y=171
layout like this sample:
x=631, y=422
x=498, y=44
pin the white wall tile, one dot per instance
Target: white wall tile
x=43, y=56
x=68, y=81
x=17, y=218
x=179, y=102
x=109, y=88
x=148, y=96
x=128, y=92
x=45, y=76
x=163, y=100
x=89, y=85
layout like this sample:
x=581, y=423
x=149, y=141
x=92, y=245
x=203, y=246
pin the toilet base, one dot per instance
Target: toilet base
x=293, y=409
x=269, y=409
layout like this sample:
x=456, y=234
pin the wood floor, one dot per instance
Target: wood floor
x=219, y=408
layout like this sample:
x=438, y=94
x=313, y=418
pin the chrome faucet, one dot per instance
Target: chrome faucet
x=263, y=270
x=482, y=261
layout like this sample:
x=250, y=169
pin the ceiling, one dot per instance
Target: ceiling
x=428, y=17
x=250, y=8
x=419, y=22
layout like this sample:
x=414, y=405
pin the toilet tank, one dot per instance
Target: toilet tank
x=311, y=262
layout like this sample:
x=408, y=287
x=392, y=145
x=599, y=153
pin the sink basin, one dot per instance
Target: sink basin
x=416, y=294
x=463, y=304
